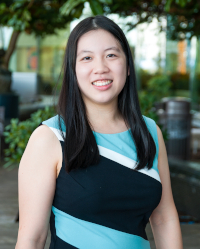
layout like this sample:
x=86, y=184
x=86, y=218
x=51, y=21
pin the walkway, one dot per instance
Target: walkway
x=9, y=207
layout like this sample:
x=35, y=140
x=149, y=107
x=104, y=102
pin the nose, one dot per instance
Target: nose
x=100, y=66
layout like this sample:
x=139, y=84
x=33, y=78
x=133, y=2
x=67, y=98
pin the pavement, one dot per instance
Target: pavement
x=9, y=209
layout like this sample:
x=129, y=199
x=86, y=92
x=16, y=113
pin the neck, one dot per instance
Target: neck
x=104, y=117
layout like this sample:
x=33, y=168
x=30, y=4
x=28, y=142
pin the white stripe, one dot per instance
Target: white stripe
x=127, y=162
x=114, y=156
x=57, y=133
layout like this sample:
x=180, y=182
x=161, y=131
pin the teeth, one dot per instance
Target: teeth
x=101, y=83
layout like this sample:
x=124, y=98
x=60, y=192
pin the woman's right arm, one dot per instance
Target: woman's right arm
x=36, y=181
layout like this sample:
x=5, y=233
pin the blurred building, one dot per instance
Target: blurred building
x=44, y=56
x=153, y=54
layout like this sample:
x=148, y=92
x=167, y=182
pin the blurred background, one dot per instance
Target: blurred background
x=164, y=37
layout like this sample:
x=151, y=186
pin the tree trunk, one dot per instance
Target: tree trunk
x=11, y=48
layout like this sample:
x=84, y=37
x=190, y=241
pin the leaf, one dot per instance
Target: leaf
x=19, y=134
x=23, y=26
x=7, y=127
x=78, y=11
x=18, y=4
x=2, y=6
x=96, y=7
x=11, y=22
x=6, y=165
x=167, y=5
x=69, y=6
x=26, y=15
x=182, y=3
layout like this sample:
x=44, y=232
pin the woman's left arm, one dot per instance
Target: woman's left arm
x=164, y=220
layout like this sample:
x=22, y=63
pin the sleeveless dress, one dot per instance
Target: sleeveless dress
x=105, y=206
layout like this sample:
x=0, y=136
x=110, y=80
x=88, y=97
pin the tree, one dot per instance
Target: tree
x=47, y=16
x=44, y=17
x=182, y=15
x=38, y=17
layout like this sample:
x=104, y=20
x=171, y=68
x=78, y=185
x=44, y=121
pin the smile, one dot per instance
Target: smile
x=102, y=83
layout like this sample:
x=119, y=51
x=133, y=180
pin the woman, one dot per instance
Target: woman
x=98, y=169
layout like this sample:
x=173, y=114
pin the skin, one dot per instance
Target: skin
x=42, y=158
x=101, y=63
x=164, y=220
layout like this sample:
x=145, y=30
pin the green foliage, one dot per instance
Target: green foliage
x=38, y=17
x=180, y=81
x=182, y=15
x=17, y=15
x=145, y=76
x=182, y=3
x=70, y=5
x=157, y=88
x=45, y=17
x=18, y=133
x=96, y=7
x=106, y=1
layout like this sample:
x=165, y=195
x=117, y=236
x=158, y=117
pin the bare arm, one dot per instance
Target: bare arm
x=37, y=178
x=164, y=219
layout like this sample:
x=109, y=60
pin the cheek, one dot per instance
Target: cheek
x=120, y=69
x=82, y=72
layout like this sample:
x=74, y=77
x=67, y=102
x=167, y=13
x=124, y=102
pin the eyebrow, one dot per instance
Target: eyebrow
x=111, y=48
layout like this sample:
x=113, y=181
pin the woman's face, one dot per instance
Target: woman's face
x=100, y=60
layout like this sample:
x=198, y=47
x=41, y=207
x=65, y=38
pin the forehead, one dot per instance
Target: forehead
x=97, y=40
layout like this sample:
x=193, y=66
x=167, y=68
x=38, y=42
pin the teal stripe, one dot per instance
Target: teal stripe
x=151, y=124
x=87, y=235
x=53, y=122
x=121, y=143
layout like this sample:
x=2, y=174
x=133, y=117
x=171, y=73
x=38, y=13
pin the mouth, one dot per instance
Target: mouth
x=102, y=82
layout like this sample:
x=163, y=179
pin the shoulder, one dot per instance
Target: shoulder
x=43, y=142
x=42, y=133
x=53, y=122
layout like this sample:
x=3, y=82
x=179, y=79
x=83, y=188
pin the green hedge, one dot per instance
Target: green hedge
x=18, y=133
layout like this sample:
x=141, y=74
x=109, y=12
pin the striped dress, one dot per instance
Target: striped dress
x=105, y=206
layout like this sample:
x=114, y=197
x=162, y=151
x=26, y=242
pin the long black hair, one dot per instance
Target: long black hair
x=80, y=147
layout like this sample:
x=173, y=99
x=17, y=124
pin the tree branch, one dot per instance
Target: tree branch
x=11, y=48
x=13, y=42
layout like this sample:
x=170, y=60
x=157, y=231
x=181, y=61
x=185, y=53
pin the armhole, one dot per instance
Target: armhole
x=151, y=125
x=155, y=133
x=156, y=138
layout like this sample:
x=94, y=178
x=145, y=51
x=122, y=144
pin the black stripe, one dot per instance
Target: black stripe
x=60, y=244
x=109, y=194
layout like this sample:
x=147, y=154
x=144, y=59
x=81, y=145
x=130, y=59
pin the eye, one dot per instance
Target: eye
x=112, y=56
x=86, y=57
